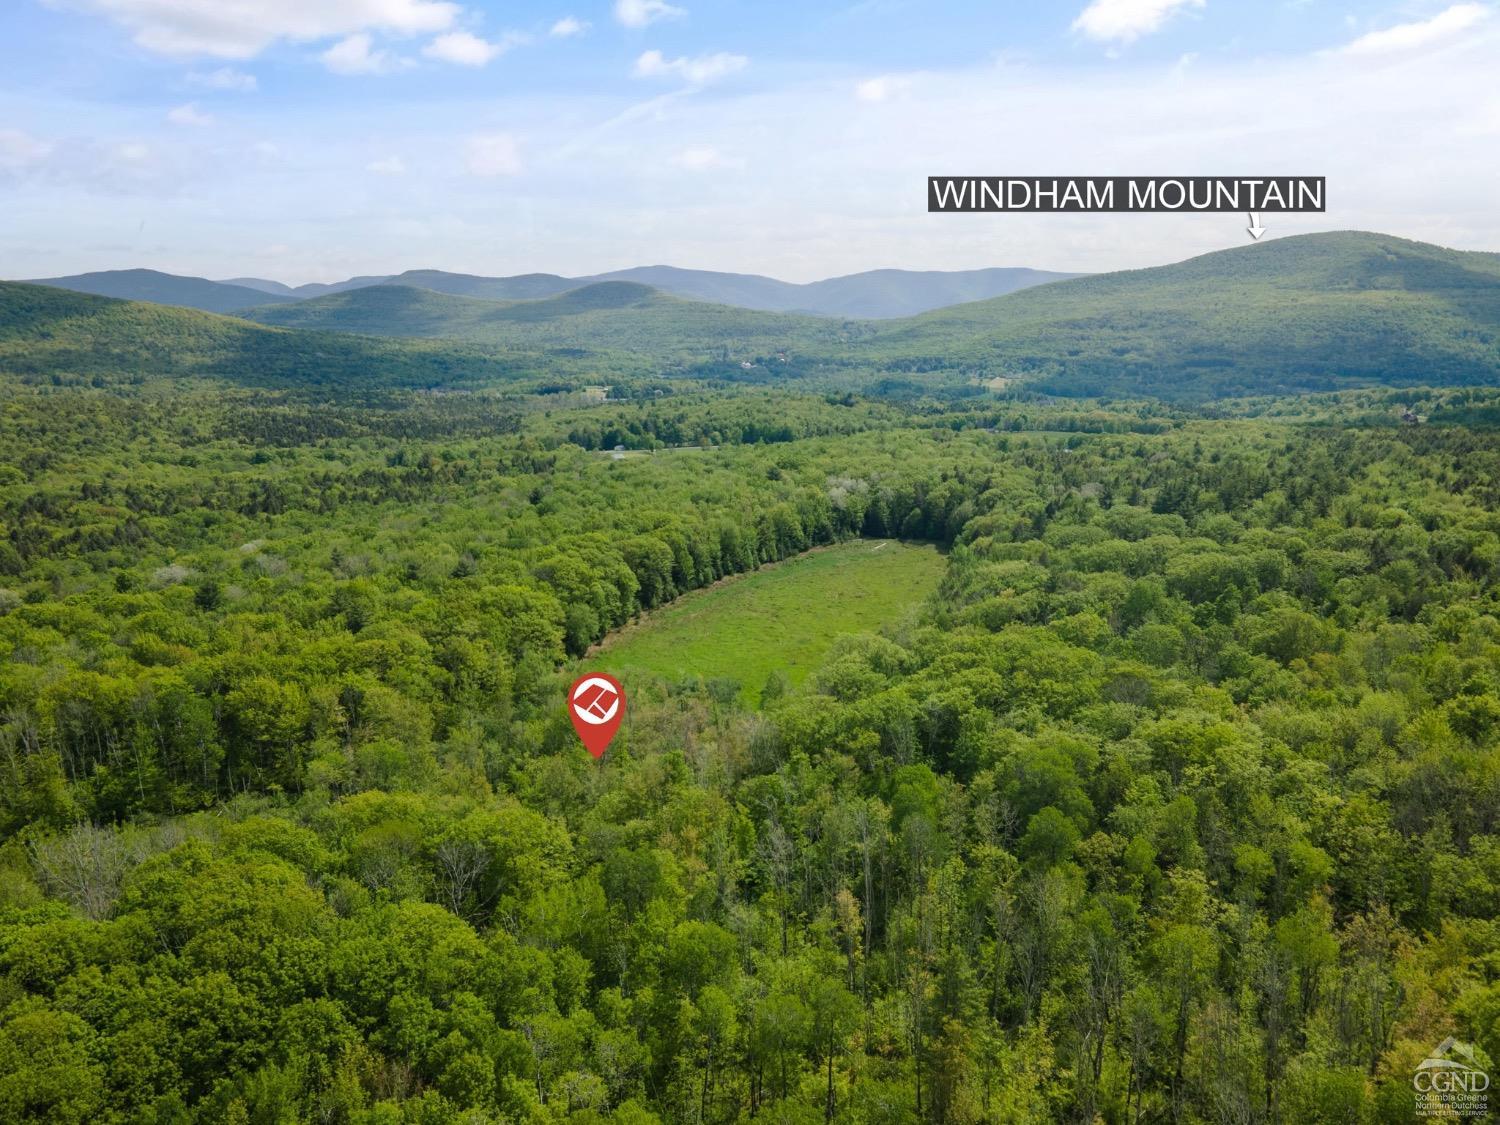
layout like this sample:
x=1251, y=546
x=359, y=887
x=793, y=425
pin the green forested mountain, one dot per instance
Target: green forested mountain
x=51, y=334
x=521, y=287
x=876, y=293
x=167, y=289
x=1293, y=314
x=1308, y=313
x=896, y=293
x=311, y=289
x=1311, y=312
x=872, y=294
x=606, y=316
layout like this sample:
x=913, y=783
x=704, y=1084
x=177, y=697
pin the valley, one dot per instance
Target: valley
x=1306, y=314
x=1037, y=710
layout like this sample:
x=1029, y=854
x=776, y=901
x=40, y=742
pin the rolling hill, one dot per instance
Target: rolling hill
x=167, y=289
x=312, y=289
x=605, y=316
x=1308, y=313
x=1313, y=312
x=522, y=287
x=62, y=336
x=897, y=293
x=875, y=294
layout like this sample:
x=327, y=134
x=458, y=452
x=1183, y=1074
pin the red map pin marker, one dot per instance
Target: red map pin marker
x=596, y=704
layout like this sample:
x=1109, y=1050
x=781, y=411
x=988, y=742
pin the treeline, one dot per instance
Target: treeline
x=176, y=717
x=745, y=418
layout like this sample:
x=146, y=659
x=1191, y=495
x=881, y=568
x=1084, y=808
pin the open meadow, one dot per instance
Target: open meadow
x=781, y=618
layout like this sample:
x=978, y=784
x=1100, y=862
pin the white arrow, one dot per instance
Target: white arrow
x=1255, y=229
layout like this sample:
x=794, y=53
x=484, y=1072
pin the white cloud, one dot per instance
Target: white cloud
x=464, y=49
x=190, y=115
x=357, y=54
x=1423, y=33
x=20, y=151
x=387, y=166
x=704, y=68
x=225, y=78
x=641, y=13
x=569, y=26
x=1121, y=21
x=881, y=88
x=241, y=29
x=704, y=158
x=1412, y=149
x=494, y=154
x=850, y=206
x=102, y=166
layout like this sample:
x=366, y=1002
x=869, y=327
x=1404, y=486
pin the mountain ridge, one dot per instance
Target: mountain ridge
x=1306, y=312
x=606, y=316
x=872, y=294
x=159, y=288
x=63, y=336
x=311, y=289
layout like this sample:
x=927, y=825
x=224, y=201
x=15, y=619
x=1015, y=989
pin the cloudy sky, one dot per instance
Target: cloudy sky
x=313, y=139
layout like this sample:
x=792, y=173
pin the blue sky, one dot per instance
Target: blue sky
x=313, y=139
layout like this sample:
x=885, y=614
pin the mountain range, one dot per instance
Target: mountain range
x=313, y=289
x=1312, y=312
x=605, y=316
x=167, y=289
x=875, y=294
x=55, y=336
x=1303, y=313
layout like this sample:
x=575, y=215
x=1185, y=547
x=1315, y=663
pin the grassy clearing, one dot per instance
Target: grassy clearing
x=780, y=617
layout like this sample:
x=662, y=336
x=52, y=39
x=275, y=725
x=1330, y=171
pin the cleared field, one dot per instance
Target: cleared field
x=783, y=616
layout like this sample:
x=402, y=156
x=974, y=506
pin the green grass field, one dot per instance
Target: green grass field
x=780, y=617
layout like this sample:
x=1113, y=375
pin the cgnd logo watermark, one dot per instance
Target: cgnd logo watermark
x=1451, y=1083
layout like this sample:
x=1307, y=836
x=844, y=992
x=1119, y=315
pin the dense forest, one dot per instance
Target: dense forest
x=1177, y=802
